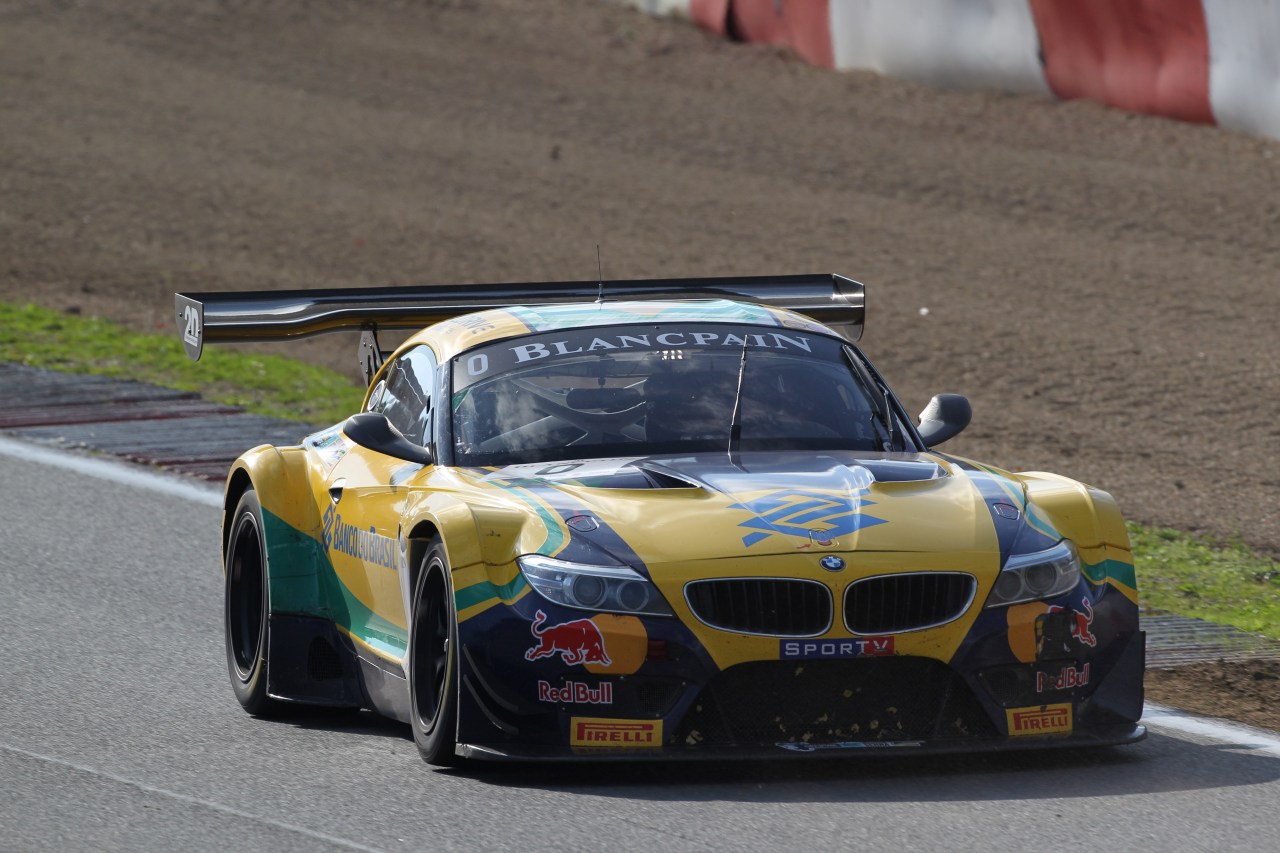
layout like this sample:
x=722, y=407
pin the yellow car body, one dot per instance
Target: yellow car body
x=797, y=597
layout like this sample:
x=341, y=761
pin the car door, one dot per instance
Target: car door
x=367, y=495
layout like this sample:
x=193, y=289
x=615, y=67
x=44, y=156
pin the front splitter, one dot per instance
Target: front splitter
x=1117, y=736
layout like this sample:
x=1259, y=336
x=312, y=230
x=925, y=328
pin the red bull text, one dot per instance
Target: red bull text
x=1064, y=679
x=575, y=693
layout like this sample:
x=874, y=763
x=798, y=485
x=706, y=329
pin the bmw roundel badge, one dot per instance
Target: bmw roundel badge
x=832, y=563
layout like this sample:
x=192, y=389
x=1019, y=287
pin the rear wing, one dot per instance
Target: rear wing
x=268, y=315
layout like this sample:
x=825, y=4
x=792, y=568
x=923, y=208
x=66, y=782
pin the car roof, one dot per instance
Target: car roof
x=459, y=334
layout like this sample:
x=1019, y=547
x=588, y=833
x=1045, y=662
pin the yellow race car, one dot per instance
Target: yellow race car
x=659, y=519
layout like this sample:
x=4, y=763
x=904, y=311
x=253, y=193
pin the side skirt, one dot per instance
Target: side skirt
x=313, y=663
x=385, y=686
x=310, y=662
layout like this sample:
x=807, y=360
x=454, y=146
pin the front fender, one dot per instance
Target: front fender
x=1091, y=519
x=481, y=542
x=291, y=526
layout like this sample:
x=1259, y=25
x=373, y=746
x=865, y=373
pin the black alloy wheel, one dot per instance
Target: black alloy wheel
x=247, y=606
x=433, y=661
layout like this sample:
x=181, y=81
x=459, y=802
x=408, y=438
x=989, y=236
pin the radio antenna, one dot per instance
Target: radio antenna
x=600, y=269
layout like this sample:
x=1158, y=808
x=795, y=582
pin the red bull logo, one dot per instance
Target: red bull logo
x=1042, y=720
x=1081, y=622
x=577, y=642
x=594, y=731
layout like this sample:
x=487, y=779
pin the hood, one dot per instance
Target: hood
x=677, y=508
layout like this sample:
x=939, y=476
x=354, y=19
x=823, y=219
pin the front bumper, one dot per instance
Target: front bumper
x=622, y=688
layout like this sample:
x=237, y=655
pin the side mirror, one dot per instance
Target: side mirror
x=944, y=418
x=372, y=430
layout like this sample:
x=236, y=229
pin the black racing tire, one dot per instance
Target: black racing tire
x=247, y=608
x=433, y=661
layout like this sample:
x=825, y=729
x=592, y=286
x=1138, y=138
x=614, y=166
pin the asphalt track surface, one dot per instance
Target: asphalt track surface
x=118, y=731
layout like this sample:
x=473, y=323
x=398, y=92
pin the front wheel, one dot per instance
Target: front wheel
x=433, y=661
x=246, y=608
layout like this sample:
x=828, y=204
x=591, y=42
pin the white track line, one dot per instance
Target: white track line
x=189, y=800
x=1155, y=716
x=115, y=471
x=1257, y=741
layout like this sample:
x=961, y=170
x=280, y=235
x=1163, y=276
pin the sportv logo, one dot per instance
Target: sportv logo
x=835, y=649
x=1045, y=720
x=594, y=731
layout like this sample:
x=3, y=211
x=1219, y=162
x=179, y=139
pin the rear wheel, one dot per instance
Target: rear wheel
x=433, y=661
x=246, y=609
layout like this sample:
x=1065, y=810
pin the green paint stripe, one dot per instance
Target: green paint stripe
x=551, y=520
x=1006, y=486
x=319, y=591
x=1116, y=570
x=1035, y=518
x=484, y=591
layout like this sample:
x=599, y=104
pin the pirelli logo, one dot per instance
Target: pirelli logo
x=594, y=731
x=1042, y=720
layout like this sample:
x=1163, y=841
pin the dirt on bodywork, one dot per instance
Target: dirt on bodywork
x=1103, y=286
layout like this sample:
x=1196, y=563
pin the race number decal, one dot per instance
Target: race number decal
x=191, y=334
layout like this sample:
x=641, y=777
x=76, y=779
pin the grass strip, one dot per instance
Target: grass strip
x=1177, y=573
x=1224, y=582
x=263, y=384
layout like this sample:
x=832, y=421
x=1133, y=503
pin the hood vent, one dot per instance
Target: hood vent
x=664, y=479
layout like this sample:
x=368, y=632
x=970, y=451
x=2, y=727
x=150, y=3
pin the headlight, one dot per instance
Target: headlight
x=1043, y=574
x=612, y=589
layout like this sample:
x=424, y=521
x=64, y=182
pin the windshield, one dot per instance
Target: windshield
x=658, y=388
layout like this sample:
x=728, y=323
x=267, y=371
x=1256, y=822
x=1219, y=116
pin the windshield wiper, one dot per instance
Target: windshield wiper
x=735, y=420
x=888, y=419
x=882, y=416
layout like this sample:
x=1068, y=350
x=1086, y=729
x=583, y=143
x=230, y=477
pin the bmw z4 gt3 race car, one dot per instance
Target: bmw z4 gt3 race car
x=660, y=519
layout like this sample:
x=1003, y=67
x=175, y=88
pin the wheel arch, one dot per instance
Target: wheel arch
x=1088, y=516
x=443, y=517
x=238, y=482
x=419, y=540
x=1091, y=519
x=292, y=528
